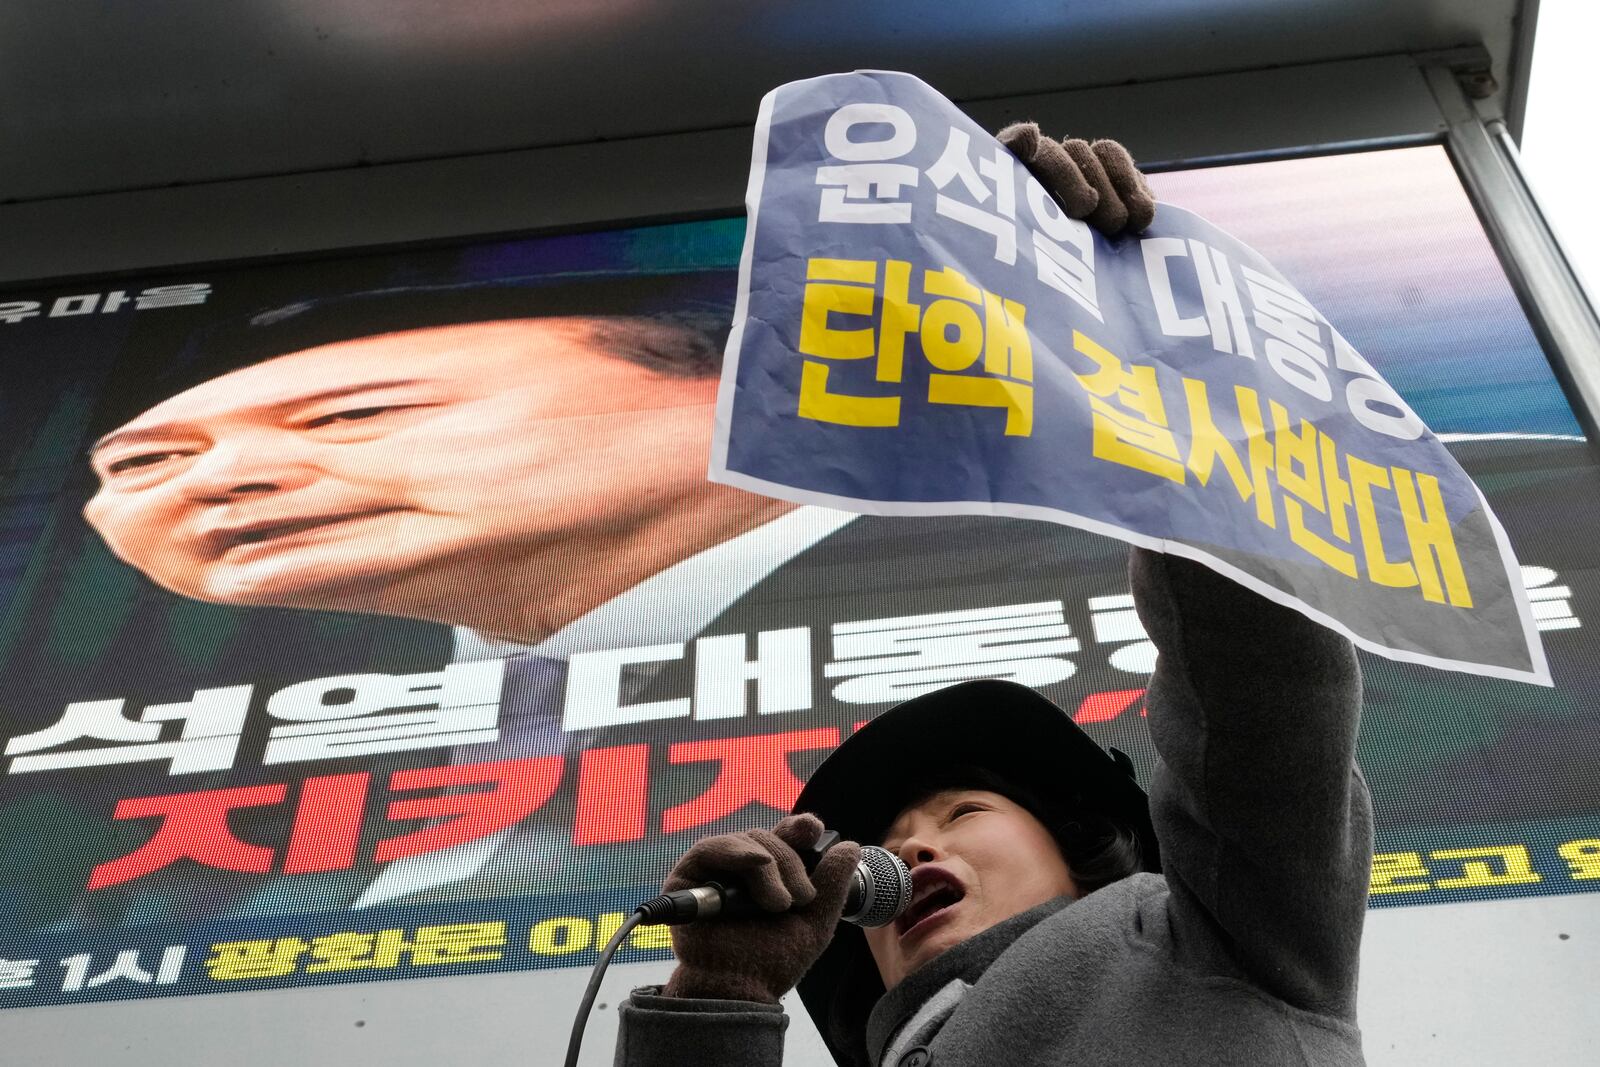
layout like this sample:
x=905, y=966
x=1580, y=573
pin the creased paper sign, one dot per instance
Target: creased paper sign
x=920, y=330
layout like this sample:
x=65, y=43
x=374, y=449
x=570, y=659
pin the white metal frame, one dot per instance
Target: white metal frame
x=1560, y=312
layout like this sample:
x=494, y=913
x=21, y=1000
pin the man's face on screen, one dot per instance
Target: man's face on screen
x=399, y=467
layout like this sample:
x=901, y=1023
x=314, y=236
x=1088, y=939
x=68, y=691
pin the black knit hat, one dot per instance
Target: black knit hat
x=862, y=787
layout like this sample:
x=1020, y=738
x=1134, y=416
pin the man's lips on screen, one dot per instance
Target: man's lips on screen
x=220, y=540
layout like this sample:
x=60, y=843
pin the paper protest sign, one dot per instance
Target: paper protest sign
x=920, y=330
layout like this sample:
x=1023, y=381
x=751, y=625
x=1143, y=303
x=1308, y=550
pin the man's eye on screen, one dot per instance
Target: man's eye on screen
x=350, y=415
x=358, y=423
x=143, y=461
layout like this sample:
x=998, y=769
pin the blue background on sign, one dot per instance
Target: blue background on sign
x=942, y=453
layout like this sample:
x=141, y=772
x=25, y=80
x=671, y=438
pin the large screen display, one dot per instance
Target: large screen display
x=372, y=617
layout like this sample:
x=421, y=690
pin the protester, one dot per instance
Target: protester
x=1057, y=915
x=1032, y=936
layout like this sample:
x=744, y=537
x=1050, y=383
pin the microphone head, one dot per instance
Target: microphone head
x=880, y=890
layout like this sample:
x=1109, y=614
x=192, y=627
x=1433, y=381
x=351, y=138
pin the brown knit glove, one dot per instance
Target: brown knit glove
x=761, y=956
x=1097, y=183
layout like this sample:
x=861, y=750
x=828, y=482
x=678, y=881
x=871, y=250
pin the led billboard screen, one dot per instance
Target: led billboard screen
x=371, y=617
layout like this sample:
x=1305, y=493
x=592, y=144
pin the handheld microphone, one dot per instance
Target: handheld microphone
x=879, y=891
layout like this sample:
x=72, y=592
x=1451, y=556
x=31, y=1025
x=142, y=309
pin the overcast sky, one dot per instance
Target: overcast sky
x=1559, y=153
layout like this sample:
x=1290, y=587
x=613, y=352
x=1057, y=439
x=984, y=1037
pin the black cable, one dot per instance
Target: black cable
x=593, y=990
x=681, y=906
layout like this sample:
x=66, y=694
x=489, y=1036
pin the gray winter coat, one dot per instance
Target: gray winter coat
x=1244, y=951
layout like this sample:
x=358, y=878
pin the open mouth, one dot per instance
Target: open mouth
x=932, y=894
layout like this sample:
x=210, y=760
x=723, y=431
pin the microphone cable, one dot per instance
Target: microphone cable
x=663, y=909
x=593, y=989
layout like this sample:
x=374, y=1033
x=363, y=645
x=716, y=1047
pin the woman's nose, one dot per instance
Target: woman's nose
x=915, y=850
